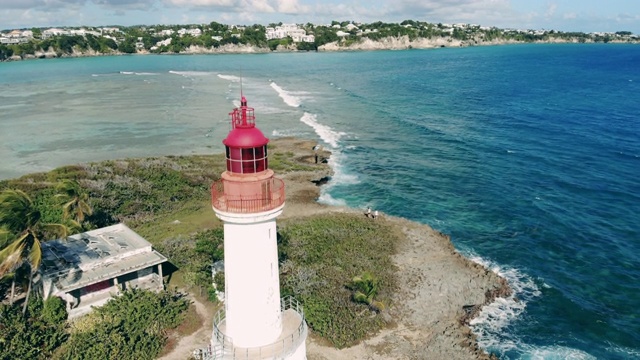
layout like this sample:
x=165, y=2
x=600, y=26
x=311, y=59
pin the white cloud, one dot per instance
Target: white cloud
x=500, y=13
x=288, y=6
x=551, y=10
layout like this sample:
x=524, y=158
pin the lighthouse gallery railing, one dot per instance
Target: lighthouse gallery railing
x=247, y=196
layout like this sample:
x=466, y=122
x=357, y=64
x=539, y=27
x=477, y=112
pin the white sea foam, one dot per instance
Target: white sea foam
x=326, y=133
x=556, y=353
x=493, y=318
x=190, y=73
x=489, y=326
x=287, y=133
x=136, y=73
x=340, y=175
x=288, y=97
x=625, y=352
x=231, y=78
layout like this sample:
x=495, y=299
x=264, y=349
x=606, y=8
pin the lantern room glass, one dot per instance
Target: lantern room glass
x=247, y=161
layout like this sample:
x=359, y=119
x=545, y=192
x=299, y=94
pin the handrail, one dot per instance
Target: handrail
x=247, y=197
x=224, y=348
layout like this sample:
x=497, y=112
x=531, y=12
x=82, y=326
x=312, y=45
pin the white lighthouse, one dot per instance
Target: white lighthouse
x=255, y=322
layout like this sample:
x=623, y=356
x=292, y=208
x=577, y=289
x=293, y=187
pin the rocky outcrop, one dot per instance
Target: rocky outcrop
x=226, y=49
x=393, y=43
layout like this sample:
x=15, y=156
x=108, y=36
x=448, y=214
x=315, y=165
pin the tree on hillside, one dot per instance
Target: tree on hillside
x=5, y=52
x=75, y=203
x=217, y=27
x=20, y=217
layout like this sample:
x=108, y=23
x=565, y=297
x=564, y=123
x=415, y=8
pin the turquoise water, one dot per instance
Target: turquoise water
x=528, y=155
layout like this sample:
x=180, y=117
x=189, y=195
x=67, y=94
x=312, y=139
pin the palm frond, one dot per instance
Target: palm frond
x=17, y=212
x=60, y=231
x=35, y=256
x=12, y=256
x=360, y=297
x=377, y=305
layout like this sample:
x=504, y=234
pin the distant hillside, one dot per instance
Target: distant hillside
x=217, y=38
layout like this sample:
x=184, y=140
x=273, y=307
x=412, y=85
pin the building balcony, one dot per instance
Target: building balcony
x=247, y=196
x=293, y=335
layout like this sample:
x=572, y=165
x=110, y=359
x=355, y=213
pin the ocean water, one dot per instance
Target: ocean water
x=528, y=155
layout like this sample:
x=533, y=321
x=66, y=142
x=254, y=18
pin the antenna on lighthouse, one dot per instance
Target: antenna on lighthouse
x=241, y=94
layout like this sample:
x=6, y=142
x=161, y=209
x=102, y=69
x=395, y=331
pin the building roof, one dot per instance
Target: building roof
x=97, y=255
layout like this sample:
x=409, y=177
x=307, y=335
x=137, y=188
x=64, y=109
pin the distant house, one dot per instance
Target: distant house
x=83, y=32
x=89, y=268
x=110, y=30
x=193, y=32
x=53, y=32
x=289, y=30
x=166, y=32
x=16, y=37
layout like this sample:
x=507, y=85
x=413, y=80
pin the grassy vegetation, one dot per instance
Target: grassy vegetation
x=131, y=326
x=321, y=256
x=285, y=162
x=166, y=200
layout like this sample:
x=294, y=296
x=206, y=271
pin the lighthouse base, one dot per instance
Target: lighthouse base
x=290, y=345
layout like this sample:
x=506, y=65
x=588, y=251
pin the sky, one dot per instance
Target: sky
x=563, y=15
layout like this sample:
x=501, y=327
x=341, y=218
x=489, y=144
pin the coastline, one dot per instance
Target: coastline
x=440, y=291
x=363, y=44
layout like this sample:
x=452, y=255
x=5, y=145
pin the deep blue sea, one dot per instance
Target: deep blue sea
x=528, y=155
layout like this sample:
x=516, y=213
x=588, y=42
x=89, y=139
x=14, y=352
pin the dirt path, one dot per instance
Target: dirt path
x=199, y=339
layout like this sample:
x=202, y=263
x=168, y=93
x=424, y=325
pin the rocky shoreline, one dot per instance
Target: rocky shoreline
x=365, y=44
x=440, y=290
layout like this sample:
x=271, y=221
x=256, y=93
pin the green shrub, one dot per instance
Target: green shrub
x=35, y=336
x=131, y=326
x=323, y=255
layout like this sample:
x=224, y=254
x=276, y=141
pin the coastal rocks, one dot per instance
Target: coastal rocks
x=394, y=43
x=46, y=54
x=227, y=48
x=439, y=290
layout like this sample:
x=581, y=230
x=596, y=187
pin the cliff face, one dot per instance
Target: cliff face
x=361, y=44
x=403, y=42
x=225, y=49
x=393, y=43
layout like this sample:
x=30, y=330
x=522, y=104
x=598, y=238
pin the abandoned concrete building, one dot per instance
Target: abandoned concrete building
x=89, y=268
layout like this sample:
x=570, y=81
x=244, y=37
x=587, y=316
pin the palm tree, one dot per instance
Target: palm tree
x=74, y=200
x=18, y=215
x=366, y=289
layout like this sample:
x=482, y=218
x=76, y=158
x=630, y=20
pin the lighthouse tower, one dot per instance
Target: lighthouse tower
x=255, y=322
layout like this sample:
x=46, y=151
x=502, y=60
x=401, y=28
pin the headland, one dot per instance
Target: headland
x=439, y=292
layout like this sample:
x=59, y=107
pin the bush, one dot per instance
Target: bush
x=323, y=255
x=132, y=326
x=35, y=336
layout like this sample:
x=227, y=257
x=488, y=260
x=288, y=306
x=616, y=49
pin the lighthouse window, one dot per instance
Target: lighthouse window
x=248, y=161
x=234, y=159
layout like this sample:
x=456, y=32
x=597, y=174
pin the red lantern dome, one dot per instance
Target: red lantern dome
x=246, y=145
